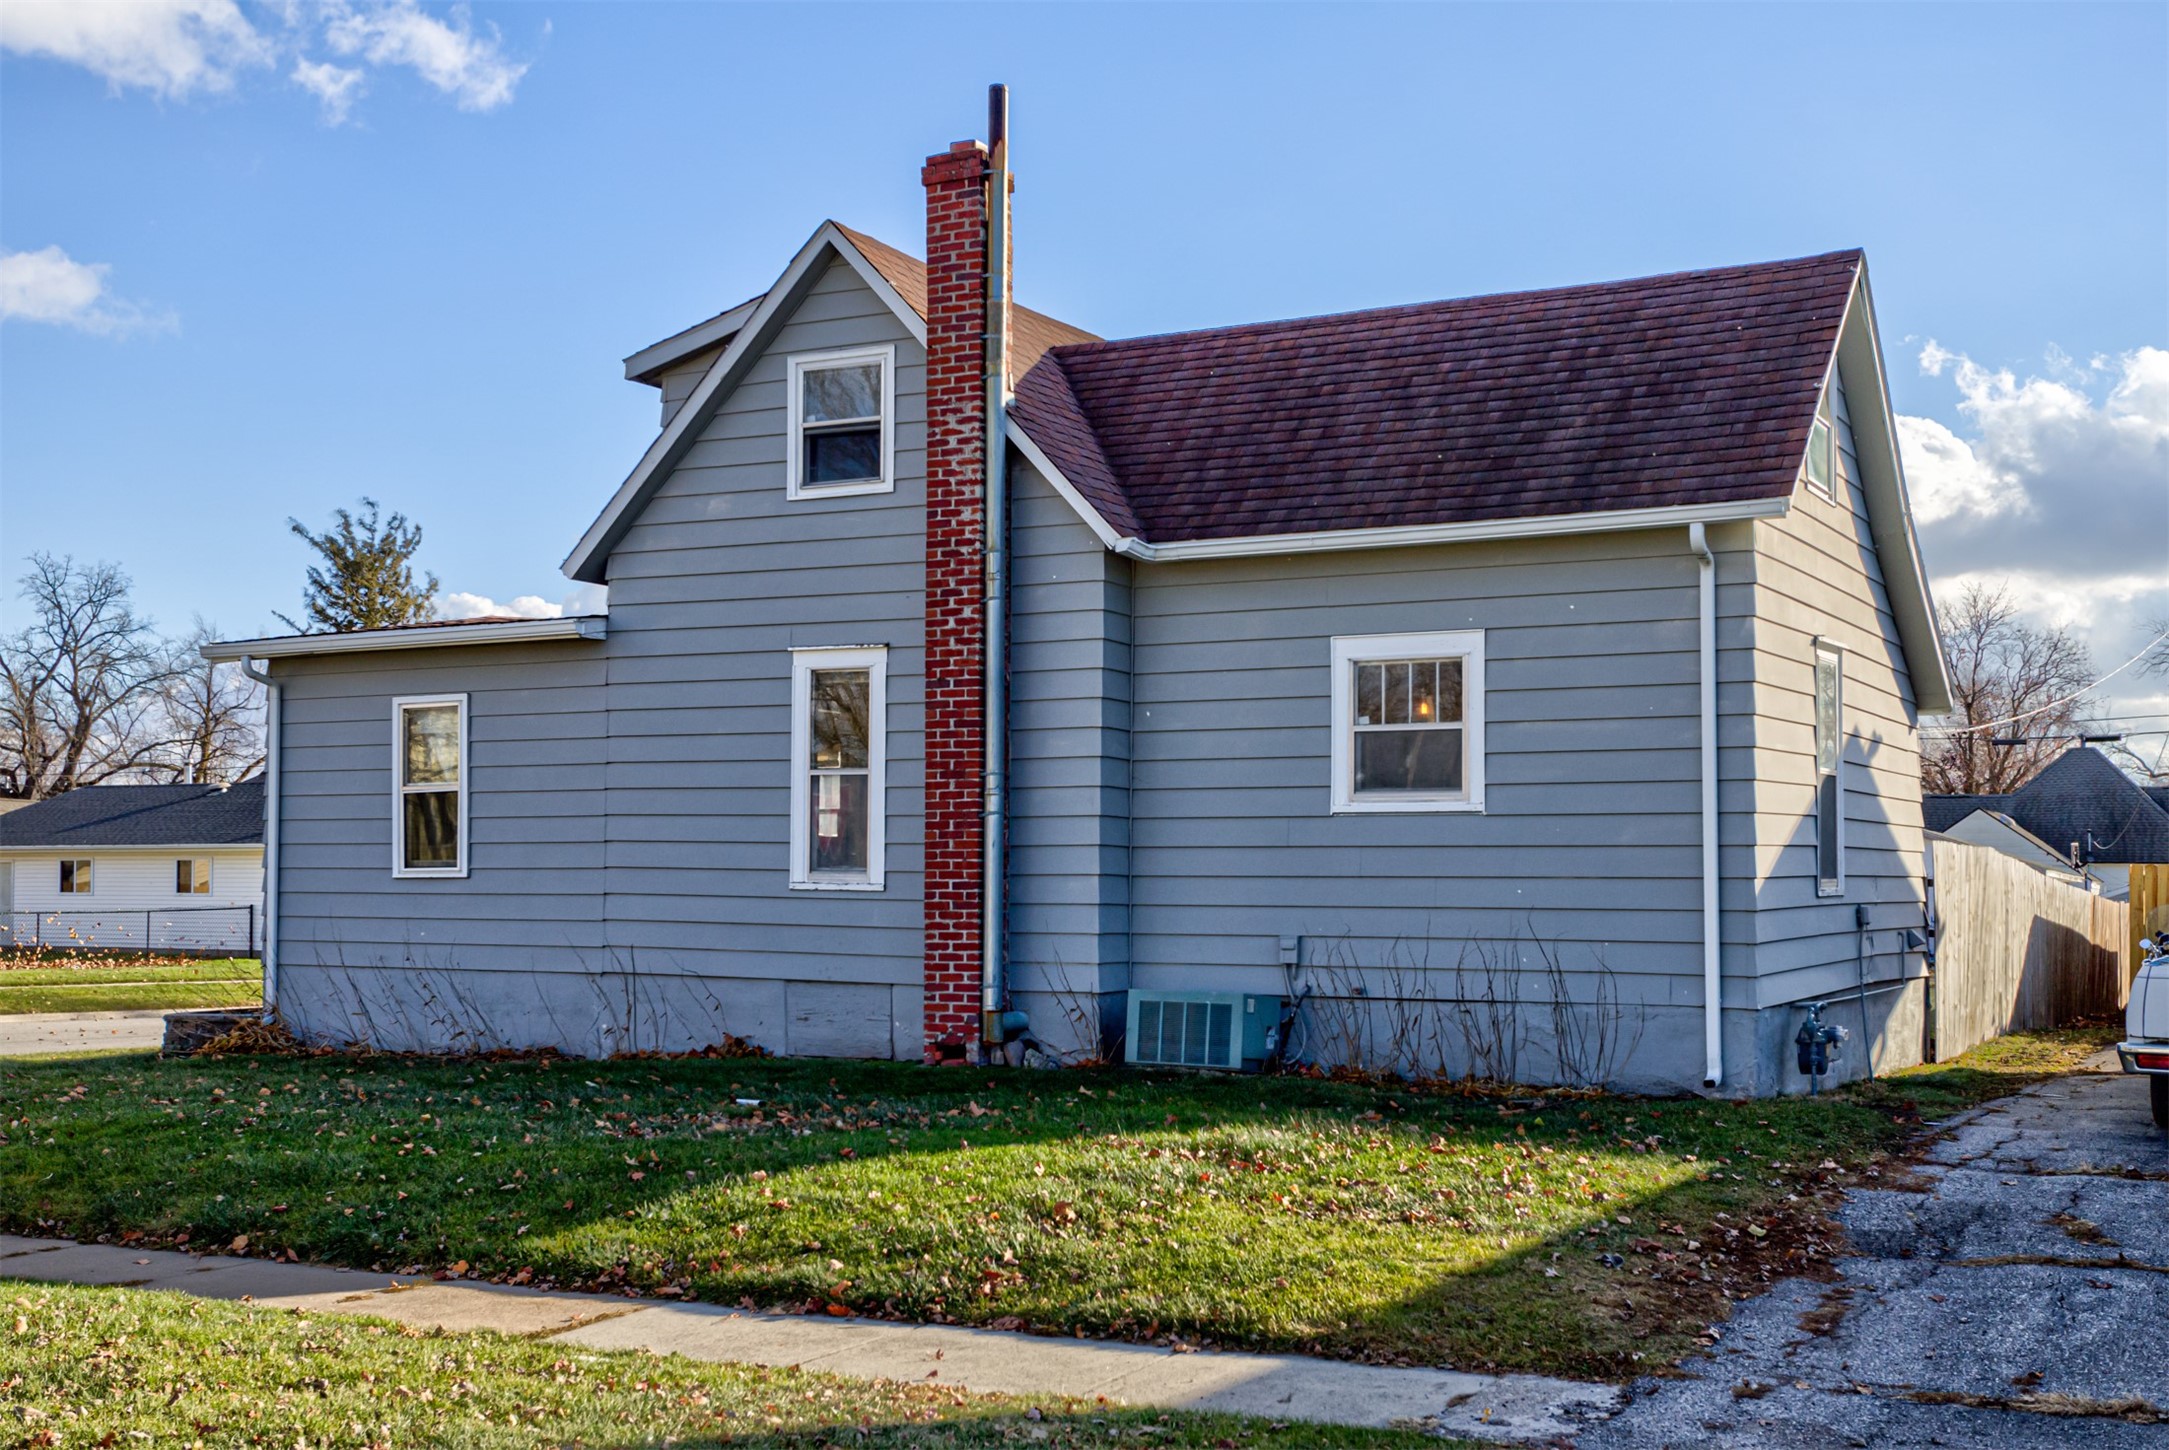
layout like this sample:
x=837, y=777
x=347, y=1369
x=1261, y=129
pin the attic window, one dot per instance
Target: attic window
x=842, y=422
x=1821, y=467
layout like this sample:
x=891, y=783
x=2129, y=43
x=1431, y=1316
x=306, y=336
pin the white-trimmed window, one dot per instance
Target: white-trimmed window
x=1408, y=722
x=192, y=876
x=429, y=785
x=839, y=759
x=1821, y=467
x=1829, y=770
x=75, y=876
x=842, y=407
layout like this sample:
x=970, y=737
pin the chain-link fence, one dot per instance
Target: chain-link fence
x=200, y=931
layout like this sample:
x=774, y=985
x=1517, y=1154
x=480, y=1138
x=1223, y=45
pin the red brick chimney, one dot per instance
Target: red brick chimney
x=956, y=595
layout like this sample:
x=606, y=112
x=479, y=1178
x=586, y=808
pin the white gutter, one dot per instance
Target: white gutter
x=1398, y=537
x=1713, y=1039
x=272, y=711
x=1539, y=526
x=423, y=636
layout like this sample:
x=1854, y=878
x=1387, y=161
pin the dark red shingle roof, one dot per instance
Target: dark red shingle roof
x=1694, y=388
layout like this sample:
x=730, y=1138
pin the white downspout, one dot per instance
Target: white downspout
x=1713, y=1038
x=271, y=834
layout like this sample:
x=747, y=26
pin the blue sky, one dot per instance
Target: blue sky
x=400, y=249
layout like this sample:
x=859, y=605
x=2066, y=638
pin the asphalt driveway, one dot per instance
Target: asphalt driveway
x=2019, y=1300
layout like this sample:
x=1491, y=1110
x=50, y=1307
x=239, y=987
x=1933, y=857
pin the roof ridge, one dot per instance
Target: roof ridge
x=1235, y=329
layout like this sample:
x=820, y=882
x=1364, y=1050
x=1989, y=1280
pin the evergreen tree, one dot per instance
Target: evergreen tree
x=367, y=578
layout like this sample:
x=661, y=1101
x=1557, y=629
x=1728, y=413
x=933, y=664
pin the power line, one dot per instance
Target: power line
x=2144, y=651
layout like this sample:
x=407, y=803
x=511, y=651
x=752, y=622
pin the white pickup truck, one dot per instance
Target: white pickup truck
x=2145, y=1048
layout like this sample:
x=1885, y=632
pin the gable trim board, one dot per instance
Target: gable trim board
x=647, y=364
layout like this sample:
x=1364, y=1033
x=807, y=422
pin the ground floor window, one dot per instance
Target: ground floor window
x=429, y=776
x=75, y=877
x=1829, y=770
x=1408, y=722
x=192, y=876
x=839, y=748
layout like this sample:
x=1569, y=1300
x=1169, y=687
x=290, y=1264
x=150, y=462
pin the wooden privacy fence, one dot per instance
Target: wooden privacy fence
x=2017, y=950
x=2149, y=911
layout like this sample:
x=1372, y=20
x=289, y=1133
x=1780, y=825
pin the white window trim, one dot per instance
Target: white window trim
x=874, y=659
x=1834, y=888
x=206, y=890
x=400, y=868
x=58, y=861
x=795, y=370
x=1348, y=651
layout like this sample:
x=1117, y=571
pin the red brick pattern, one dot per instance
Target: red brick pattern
x=956, y=282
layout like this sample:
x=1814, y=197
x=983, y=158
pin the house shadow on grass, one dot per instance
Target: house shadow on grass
x=1374, y=1222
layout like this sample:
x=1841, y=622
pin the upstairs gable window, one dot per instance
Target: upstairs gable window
x=842, y=422
x=1821, y=468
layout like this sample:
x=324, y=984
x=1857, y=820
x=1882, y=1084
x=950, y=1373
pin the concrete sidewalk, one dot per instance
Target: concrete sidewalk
x=24, y=1034
x=1285, y=1387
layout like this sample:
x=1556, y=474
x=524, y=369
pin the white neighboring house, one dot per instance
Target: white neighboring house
x=1999, y=832
x=122, y=868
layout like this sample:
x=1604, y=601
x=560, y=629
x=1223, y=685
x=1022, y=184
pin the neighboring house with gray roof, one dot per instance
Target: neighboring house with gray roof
x=116, y=867
x=1358, y=660
x=2081, y=807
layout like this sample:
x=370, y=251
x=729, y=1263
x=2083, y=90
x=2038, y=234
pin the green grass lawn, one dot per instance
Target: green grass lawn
x=1581, y=1235
x=84, y=1366
x=109, y=984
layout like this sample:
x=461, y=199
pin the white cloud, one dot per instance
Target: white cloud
x=452, y=55
x=2058, y=492
x=1948, y=479
x=171, y=48
x=337, y=86
x=180, y=48
x=2051, y=479
x=50, y=286
x=587, y=599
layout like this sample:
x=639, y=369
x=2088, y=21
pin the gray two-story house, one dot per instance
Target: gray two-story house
x=1523, y=684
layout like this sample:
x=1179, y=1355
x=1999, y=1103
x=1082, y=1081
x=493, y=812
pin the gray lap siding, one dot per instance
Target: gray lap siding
x=630, y=798
x=1590, y=835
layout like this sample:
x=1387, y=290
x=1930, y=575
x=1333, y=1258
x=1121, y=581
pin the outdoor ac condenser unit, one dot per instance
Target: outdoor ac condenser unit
x=1230, y=1031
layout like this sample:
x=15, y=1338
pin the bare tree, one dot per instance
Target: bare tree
x=213, y=717
x=81, y=685
x=2003, y=668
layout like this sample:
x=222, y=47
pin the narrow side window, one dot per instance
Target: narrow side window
x=1821, y=466
x=839, y=749
x=1408, y=722
x=429, y=765
x=75, y=877
x=192, y=876
x=1829, y=771
x=842, y=407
